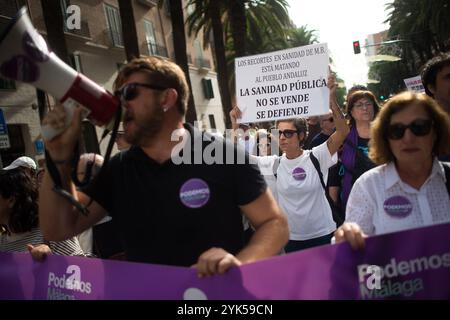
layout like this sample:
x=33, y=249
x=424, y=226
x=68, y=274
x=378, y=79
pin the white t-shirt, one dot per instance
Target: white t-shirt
x=301, y=195
x=266, y=166
x=380, y=202
x=248, y=145
x=86, y=238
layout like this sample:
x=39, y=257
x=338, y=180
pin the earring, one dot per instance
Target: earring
x=165, y=108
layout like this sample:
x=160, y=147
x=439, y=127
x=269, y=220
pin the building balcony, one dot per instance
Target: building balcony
x=82, y=32
x=113, y=38
x=153, y=49
x=203, y=63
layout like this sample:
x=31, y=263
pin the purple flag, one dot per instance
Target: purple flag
x=413, y=264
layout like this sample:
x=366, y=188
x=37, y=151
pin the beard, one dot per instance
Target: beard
x=145, y=128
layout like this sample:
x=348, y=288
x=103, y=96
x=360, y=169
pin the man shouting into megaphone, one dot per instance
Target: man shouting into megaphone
x=176, y=214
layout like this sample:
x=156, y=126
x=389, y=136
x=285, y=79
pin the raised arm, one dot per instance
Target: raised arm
x=58, y=218
x=342, y=128
x=235, y=114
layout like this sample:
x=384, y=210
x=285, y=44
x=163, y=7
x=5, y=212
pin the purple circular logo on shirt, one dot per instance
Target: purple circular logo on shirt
x=194, y=193
x=397, y=207
x=299, y=174
x=20, y=68
x=35, y=46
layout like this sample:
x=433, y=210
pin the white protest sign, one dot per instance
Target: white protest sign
x=283, y=84
x=414, y=84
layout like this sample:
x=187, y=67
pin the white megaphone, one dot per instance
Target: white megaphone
x=25, y=57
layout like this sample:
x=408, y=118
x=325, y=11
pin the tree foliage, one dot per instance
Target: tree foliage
x=423, y=30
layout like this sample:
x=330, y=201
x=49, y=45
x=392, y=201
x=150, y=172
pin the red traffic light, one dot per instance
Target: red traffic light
x=356, y=47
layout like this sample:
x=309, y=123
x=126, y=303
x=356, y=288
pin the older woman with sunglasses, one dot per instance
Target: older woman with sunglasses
x=408, y=189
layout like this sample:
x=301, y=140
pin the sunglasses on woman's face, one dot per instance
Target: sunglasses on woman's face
x=419, y=127
x=130, y=91
x=287, y=133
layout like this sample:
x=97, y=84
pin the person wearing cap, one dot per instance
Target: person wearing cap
x=23, y=162
x=170, y=212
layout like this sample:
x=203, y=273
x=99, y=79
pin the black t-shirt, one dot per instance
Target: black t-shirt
x=313, y=130
x=362, y=164
x=318, y=139
x=169, y=213
x=362, y=161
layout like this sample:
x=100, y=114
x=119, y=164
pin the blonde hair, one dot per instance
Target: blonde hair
x=380, y=152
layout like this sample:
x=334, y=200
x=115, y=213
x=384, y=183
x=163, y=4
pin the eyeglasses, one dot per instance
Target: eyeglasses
x=287, y=133
x=419, y=127
x=130, y=91
x=363, y=105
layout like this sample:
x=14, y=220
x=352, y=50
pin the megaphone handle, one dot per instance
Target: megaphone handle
x=48, y=132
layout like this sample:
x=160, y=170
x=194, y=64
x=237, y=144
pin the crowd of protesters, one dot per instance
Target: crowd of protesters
x=194, y=214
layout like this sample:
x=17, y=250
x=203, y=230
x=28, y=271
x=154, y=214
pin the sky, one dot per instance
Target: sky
x=339, y=23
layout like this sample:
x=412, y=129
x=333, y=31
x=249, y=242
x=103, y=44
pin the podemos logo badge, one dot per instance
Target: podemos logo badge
x=397, y=207
x=194, y=193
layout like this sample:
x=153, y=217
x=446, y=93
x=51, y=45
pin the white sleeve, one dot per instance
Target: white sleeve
x=361, y=205
x=266, y=164
x=326, y=160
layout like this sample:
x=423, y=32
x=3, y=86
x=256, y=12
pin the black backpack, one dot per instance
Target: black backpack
x=335, y=209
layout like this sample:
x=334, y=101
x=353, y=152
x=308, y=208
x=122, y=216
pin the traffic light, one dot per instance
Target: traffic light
x=356, y=47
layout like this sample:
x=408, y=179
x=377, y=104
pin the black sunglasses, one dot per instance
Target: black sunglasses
x=130, y=91
x=419, y=127
x=329, y=119
x=287, y=133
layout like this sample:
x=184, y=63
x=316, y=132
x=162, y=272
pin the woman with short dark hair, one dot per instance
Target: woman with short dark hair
x=298, y=182
x=19, y=218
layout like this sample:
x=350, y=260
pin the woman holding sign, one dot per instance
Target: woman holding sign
x=410, y=188
x=299, y=188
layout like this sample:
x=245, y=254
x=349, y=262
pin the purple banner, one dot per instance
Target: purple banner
x=412, y=264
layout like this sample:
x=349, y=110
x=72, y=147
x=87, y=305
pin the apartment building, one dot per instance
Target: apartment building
x=96, y=50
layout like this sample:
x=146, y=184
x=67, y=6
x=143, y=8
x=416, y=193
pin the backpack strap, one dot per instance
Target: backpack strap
x=316, y=164
x=276, y=164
